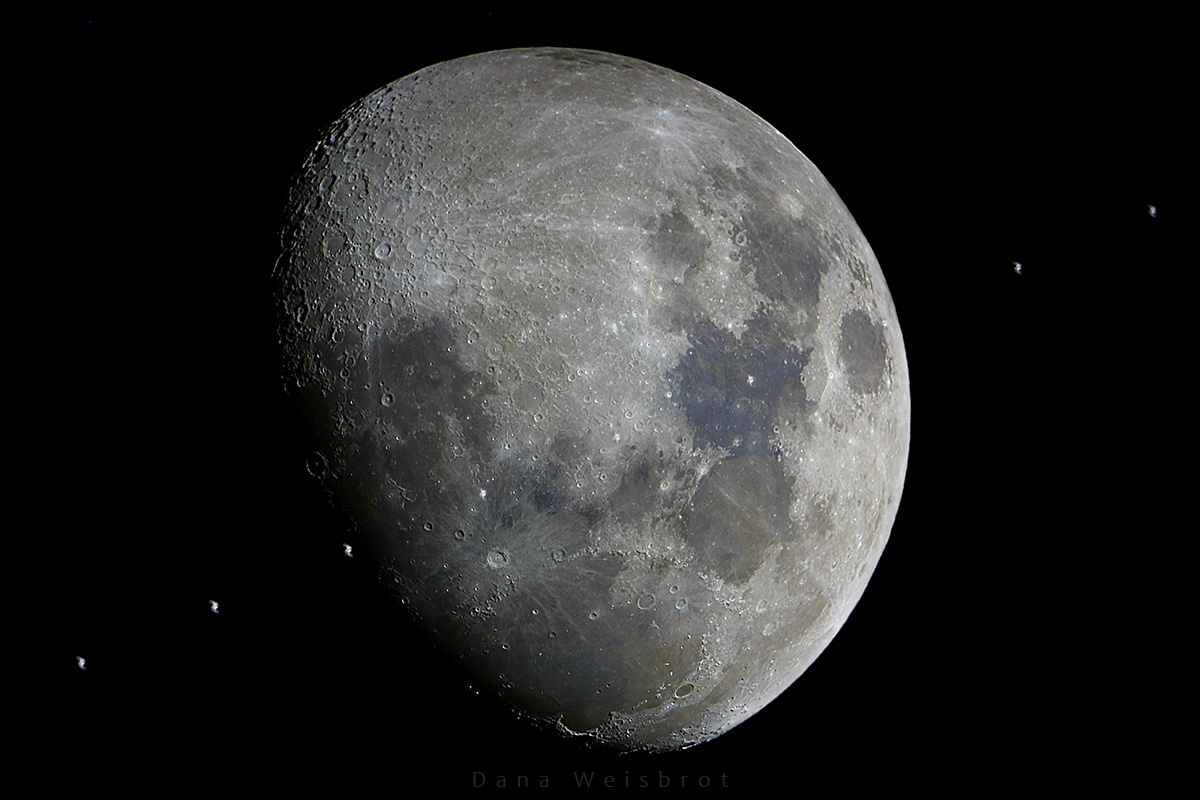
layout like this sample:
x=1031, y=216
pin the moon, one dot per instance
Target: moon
x=606, y=379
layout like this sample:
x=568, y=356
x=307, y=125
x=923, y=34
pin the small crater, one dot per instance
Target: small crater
x=315, y=464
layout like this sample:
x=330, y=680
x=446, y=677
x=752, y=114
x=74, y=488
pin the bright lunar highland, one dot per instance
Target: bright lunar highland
x=605, y=377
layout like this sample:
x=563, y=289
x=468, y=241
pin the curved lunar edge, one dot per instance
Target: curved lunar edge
x=607, y=377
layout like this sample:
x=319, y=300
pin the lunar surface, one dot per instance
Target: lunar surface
x=606, y=379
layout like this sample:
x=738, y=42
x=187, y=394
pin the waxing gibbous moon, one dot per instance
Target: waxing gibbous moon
x=605, y=377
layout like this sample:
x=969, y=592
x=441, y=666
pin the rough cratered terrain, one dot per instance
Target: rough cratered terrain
x=606, y=376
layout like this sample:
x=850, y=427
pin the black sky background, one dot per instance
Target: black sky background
x=1019, y=628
